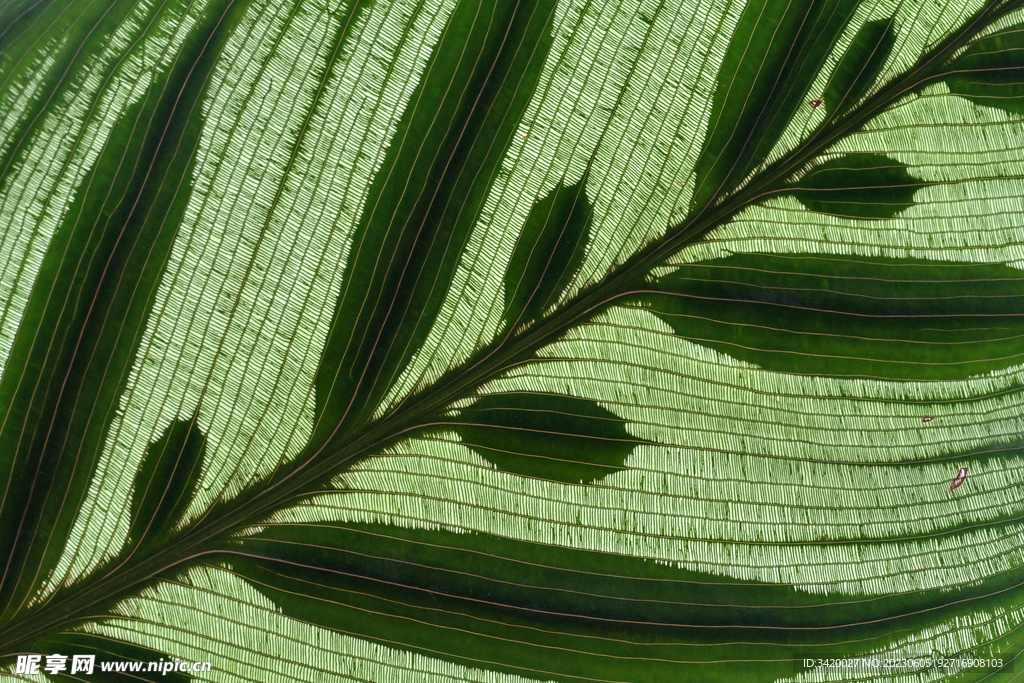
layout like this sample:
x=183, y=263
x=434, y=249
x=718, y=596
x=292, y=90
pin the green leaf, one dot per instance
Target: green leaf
x=440, y=340
x=546, y=436
x=773, y=57
x=988, y=72
x=858, y=186
x=167, y=480
x=861, y=64
x=452, y=144
x=551, y=248
x=842, y=317
x=84, y=311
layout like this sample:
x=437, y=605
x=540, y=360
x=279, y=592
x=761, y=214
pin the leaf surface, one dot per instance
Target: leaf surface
x=476, y=340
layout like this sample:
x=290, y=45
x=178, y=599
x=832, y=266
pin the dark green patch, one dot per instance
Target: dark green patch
x=336, y=580
x=70, y=363
x=858, y=185
x=14, y=13
x=850, y=316
x=547, y=436
x=860, y=65
x=550, y=249
x=773, y=57
x=569, y=584
x=525, y=608
x=991, y=71
x=445, y=156
x=167, y=480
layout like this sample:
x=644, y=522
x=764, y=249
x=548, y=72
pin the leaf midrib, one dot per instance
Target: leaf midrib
x=506, y=352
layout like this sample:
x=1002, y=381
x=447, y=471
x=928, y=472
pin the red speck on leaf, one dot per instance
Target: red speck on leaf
x=816, y=103
x=961, y=477
x=927, y=419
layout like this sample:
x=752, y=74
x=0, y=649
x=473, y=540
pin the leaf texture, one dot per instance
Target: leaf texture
x=547, y=340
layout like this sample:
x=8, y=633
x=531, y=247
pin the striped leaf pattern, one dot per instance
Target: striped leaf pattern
x=503, y=341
